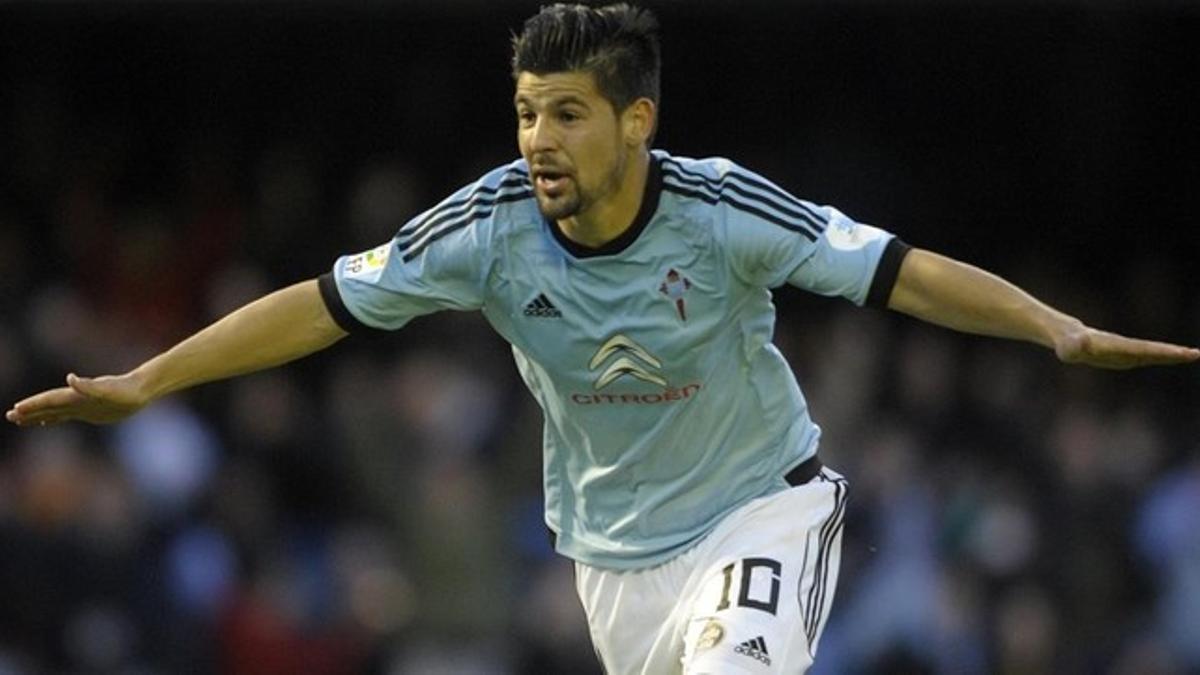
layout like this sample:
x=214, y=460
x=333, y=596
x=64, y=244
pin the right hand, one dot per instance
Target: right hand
x=100, y=400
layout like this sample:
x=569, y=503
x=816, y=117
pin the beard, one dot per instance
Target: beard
x=572, y=199
x=564, y=205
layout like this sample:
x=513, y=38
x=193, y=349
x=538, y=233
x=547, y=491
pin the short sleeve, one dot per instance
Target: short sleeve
x=774, y=238
x=845, y=260
x=768, y=233
x=388, y=286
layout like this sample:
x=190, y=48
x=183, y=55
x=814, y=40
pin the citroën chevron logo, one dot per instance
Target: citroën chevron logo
x=632, y=359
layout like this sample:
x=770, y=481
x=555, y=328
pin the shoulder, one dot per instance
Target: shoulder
x=712, y=168
x=737, y=194
x=718, y=174
x=504, y=184
x=471, y=212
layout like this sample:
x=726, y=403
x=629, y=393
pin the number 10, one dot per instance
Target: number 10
x=744, y=600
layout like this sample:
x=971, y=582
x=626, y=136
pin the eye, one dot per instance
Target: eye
x=569, y=116
x=526, y=117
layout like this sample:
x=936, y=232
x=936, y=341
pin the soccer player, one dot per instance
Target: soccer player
x=681, y=467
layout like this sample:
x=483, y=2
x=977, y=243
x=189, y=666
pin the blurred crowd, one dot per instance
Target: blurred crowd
x=376, y=508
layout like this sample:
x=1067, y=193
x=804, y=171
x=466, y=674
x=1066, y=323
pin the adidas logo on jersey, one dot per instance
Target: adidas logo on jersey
x=756, y=649
x=541, y=306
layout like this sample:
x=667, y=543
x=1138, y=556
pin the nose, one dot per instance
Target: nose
x=542, y=136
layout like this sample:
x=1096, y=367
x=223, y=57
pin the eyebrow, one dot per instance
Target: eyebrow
x=568, y=99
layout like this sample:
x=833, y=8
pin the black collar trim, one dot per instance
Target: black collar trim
x=645, y=213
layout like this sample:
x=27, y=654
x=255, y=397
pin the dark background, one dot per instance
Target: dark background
x=376, y=508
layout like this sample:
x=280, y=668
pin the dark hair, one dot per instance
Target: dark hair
x=617, y=44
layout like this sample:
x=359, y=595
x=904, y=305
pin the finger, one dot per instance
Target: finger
x=53, y=398
x=1120, y=352
x=83, y=385
x=1151, y=349
x=49, y=407
x=1170, y=354
x=28, y=418
x=56, y=415
x=103, y=388
x=37, y=420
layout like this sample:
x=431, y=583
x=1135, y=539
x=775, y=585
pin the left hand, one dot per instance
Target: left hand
x=1102, y=349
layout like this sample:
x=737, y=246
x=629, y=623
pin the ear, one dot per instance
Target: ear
x=637, y=122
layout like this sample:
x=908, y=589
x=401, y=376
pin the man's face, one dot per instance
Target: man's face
x=572, y=139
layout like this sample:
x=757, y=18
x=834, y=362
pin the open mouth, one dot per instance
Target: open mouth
x=550, y=181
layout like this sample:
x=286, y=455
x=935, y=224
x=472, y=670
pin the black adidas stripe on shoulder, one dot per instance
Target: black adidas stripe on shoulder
x=414, y=247
x=515, y=178
x=739, y=205
x=769, y=194
x=459, y=213
x=748, y=179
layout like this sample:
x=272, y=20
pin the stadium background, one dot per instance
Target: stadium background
x=376, y=508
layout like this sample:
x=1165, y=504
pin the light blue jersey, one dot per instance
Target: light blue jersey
x=666, y=405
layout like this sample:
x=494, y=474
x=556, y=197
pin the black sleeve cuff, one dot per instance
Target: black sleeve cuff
x=886, y=273
x=337, y=309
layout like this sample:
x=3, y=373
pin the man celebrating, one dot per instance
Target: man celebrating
x=681, y=469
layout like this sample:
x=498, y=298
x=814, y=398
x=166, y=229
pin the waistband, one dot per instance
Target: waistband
x=804, y=471
x=799, y=475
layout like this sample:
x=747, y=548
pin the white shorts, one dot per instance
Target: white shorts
x=752, y=597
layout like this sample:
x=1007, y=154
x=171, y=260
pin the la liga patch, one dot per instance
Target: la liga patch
x=369, y=264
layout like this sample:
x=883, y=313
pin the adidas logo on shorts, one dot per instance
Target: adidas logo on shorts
x=756, y=649
x=542, y=307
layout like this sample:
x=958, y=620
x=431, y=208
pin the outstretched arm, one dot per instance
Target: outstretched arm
x=274, y=329
x=956, y=295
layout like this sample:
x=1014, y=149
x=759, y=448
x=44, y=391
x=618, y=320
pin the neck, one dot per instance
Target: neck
x=605, y=220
